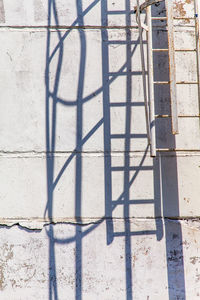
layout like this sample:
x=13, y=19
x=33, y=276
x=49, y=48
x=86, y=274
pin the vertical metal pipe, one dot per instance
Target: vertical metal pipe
x=143, y=73
x=172, y=66
x=151, y=84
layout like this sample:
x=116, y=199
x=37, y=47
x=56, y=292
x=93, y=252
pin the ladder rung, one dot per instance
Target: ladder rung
x=185, y=50
x=179, y=82
x=159, y=18
x=187, y=82
x=177, y=50
x=184, y=18
x=179, y=116
x=139, y=201
x=176, y=150
x=175, y=18
x=161, y=82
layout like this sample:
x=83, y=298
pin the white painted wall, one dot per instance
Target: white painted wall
x=112, y=222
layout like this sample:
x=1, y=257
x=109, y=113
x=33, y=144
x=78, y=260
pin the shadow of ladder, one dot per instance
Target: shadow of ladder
x=108, y=78
x=124, y=199
x=127, y=168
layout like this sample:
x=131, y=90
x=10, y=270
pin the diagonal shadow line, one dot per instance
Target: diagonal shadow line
x=74, y=153
x=84, y=140
x=56, y=81
x=132, y=179
x=99, y=90
x=63, y=102
x=72, y=239
x=84, y=233
x=73, y=24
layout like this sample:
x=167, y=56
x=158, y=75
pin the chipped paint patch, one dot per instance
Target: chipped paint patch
x=181, y=10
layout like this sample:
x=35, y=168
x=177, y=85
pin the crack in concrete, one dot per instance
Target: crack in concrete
x=38, y=224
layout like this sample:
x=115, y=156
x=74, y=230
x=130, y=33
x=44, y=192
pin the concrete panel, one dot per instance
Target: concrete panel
x=139, y=187
x=35, y=13
x=25, y=265
x=187, y=139
x=24, y=91
x=25, y=103
x=73, y=151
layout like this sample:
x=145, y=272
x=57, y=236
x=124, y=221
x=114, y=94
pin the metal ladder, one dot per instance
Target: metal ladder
x=149, y=95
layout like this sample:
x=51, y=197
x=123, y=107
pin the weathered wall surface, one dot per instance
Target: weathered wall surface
x=93, y=215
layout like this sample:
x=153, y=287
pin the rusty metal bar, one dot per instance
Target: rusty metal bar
x=176, y=50
x=184, y=18
x=150, y=83
x=161, y=82
x=185, y=50
x=179, y=82
x=175, y=18
x=180, y=116
x=172, y=67
x=187, y=82
x=197, y=34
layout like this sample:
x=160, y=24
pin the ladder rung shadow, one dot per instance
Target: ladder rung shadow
x=118, y=104
x=142, y=168
x=126, y=73
x=119, y=12
x=126, y=136
x=135, y=233
x=139, y=201
x=124, y=42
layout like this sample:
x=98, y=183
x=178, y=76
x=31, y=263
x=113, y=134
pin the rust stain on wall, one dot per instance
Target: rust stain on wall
x=188, y=1
x=179, y=8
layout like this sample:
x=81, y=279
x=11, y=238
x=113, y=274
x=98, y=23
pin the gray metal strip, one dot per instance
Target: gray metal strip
x=172, y=66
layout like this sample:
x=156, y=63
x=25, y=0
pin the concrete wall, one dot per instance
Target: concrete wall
x=86, y=213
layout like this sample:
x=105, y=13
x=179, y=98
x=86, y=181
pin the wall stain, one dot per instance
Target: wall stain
x=194, y=260
x=180, y=10
x=40, y=13
x=2, y=12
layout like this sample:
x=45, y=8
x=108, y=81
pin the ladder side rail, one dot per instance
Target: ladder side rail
x=151, y=83
x=172, y=67
x=143, y=73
